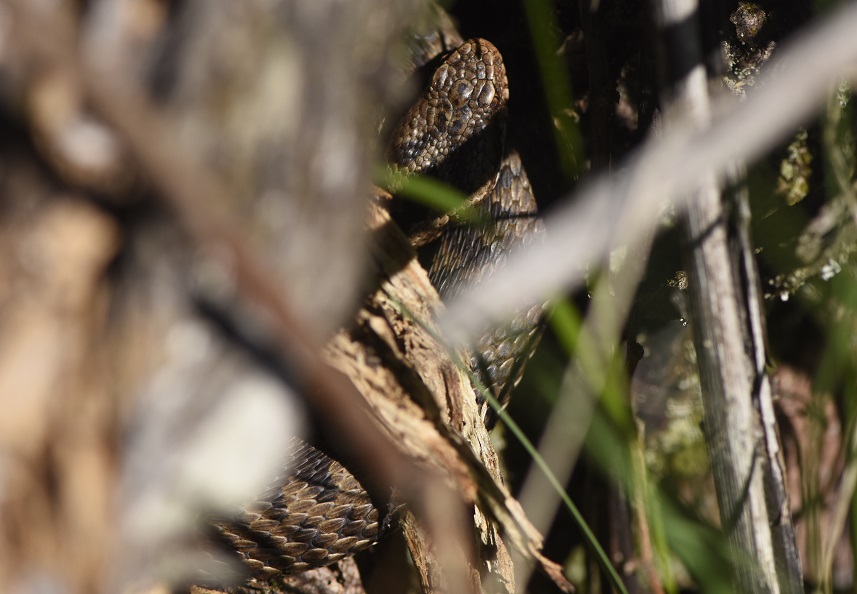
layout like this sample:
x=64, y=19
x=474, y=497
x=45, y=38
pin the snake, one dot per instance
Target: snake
x=317, y=513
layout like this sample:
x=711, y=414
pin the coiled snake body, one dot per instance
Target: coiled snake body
x=319, y=513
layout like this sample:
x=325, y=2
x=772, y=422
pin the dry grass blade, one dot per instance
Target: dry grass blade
x=622, y=208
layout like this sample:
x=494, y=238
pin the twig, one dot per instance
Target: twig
x=723, y=322
x=622, y=208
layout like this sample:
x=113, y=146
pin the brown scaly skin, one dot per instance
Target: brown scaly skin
x=464, y=254
x=313, y=517
x=466, y=93
x=455, y=131
x=319, y=513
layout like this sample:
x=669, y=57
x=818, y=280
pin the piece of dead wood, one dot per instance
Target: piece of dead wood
x=425, y=404
x=419, y=435
x=421, y=401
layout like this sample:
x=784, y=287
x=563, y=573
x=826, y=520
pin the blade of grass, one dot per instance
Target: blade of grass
x=434, y=194
x=592, y=542
x=614, y=441
x=515, y=429
x=557, y=88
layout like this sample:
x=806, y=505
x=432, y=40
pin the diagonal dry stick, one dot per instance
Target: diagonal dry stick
x=621, y=208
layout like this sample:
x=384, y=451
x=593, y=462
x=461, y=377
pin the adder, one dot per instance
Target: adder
x=318, y=513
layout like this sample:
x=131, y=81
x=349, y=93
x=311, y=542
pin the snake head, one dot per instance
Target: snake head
x=465, y=93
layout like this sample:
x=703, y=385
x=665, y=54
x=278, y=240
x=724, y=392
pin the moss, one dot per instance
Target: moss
x=795, y=171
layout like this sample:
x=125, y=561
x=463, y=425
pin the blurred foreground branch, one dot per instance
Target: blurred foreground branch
x=619, y=209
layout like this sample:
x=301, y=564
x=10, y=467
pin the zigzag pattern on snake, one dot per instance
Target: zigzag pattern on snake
x=318, y=513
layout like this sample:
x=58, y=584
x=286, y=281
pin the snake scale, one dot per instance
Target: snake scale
x=318, y=513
